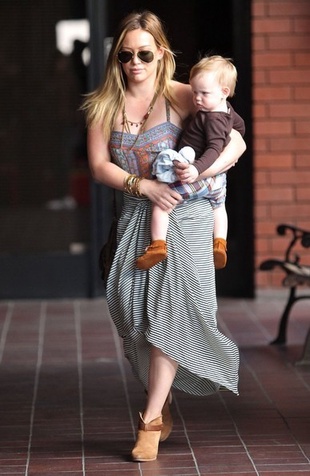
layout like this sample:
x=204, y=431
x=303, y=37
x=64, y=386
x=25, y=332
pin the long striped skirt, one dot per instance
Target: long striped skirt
x=173, y=305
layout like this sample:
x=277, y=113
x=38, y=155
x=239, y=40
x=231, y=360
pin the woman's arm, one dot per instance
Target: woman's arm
x=107, y=173
x=227, y=159
x=101, y=167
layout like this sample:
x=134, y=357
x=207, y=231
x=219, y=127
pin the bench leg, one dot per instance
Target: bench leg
x=305, y=359
x=281, y=338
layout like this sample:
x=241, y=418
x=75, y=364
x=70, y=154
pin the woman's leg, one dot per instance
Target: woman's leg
x=161, y=375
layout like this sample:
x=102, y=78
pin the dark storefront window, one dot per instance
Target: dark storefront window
x=45, y=182
x=44, y=176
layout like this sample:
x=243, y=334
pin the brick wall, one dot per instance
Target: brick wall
x=281, y=127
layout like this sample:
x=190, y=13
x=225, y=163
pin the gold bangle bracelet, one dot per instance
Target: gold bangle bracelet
x=132, y=185
x=137, y=187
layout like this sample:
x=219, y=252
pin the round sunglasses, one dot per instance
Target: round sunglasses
x=144, y=55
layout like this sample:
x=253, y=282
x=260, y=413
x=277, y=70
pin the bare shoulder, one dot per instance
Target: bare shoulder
x=184, y=98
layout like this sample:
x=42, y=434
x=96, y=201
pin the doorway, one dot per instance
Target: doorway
x=201, y=27
x=54, y=218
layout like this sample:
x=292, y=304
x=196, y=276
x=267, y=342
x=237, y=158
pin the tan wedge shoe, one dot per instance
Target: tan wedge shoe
x=167, y=419
x=146, y=447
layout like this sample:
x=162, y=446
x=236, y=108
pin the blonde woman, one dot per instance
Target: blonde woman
x=167, y=315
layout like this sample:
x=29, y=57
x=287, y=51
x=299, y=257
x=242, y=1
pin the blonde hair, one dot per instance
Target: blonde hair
x=103, y=105
x=226, y=72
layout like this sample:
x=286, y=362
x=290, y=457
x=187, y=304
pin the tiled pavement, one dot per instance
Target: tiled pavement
x=69, y=402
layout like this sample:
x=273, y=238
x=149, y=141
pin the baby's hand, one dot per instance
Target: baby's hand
x=186, y=173
x=192, y=174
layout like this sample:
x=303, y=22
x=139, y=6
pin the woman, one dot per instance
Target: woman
x=167, y=315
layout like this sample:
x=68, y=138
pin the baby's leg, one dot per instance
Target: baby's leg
x=220, y=222
x=217, y=199
x=220, y=236
x=159, y=223
x=157, y=250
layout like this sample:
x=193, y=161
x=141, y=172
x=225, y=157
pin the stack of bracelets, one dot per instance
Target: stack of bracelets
x=132, y=185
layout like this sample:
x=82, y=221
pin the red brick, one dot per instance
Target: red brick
x=273, y=93
x=302, y=176
x=304, y=224
x=259, y=110
x=265, y=229
x=290, y=144
x=289, y=42
x=269, y=127
x=302, y=194
x=259, y=77
x=290, y=110
x=259, y=9
x=259, y=43
x=271, y=161
x=276, y=279
x=289, y=8
x=292, y=176
x=263, y=246
x=302, y=161
x=262, y=278
x=260, y=145
x=271, y=60
x=289, y=212
x=274, y=25
x=301, y=25
x=275, y=194
x=260, y=178
x=294, y=76
x=302, y=127
x=278, y=244
x=302, y=59
x=261, y=211
x=302, y=92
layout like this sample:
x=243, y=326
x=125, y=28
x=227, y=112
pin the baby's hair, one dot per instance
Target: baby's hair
x=226, y=72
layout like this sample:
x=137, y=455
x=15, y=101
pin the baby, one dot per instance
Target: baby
x=213, y=80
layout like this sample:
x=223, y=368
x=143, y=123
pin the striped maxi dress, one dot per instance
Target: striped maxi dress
x=173, y=305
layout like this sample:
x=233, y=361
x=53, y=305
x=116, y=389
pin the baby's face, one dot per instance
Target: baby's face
x=208, y=94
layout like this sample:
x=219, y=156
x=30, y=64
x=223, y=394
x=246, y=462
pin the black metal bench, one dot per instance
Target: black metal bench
x=296, y=274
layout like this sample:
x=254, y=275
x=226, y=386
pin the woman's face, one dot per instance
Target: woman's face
x=136, y=69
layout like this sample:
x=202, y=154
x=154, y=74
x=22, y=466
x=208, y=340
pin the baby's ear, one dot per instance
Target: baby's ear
x=226, y=91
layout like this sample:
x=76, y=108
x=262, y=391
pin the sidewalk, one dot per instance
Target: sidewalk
x=69, y=402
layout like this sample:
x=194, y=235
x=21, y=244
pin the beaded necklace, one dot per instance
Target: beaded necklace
x=126, y=123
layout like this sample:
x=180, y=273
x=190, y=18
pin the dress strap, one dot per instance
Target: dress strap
x=168, y=110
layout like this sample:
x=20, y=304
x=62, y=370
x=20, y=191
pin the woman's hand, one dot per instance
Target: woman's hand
x=160, y=194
